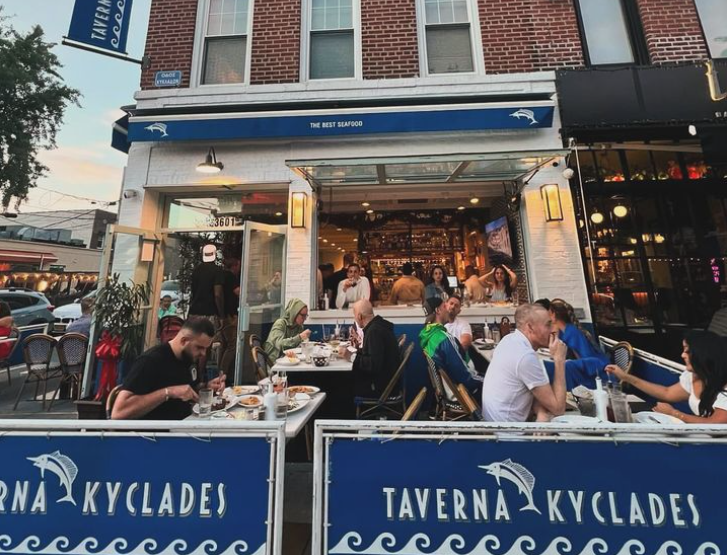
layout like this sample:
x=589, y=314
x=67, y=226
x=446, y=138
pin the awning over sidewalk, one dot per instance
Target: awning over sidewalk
x=8, y=255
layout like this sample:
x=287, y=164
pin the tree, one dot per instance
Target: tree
x=33, y=99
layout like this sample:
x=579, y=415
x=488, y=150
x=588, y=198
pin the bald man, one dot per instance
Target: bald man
x=516, y=384
x=377, y=359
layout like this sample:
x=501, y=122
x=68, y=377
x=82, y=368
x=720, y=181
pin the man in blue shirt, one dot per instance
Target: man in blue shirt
x=83, y=324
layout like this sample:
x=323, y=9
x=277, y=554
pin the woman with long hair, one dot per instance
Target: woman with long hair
x=586, y=360
x=503, y=282
x=438, y=286
x=703, y=385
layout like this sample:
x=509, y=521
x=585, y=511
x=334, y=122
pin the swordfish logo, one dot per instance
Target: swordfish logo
x=523, y=113
x=161, y=127
x=518, y=475
x=61, y=466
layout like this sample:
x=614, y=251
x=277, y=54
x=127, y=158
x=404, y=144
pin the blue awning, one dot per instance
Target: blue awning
x=359, y=121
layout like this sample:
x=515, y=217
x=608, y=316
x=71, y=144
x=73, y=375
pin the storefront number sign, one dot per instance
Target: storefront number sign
x=478, y=497
x=87, y=494
x=225, y=221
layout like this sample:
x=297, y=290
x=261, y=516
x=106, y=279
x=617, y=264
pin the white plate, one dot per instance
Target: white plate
x=484, y=342
x=231, y=402
x=285, y=361
x=240, y=390
x=309, y=389
x=576, y=419
x=258, y=398
x=582, y=392
x=656, y=418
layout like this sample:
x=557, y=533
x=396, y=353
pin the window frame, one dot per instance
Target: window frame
x=634, y=31
x=704, y=34
x=199, y=55
x=478, y=56
x=306, y=21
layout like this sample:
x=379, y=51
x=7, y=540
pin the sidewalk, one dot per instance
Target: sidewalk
x=27, y=408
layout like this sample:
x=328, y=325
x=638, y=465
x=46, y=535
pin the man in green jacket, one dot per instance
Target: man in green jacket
x=287, y=332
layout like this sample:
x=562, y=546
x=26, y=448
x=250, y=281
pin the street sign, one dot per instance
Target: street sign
x=167, y=78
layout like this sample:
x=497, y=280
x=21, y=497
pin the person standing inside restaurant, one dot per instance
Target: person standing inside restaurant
x=207, y=289
x=287, y=332
x=516, y=385
x=166, y=308
x=438, y=285
x=83, y=324
x=703, y=385
x=161, y=383
x=408, y=289
x=354, y=288
x=503, y=283
x=338, y=277
x=472, y=284
x=377, y=358
x=443, y=349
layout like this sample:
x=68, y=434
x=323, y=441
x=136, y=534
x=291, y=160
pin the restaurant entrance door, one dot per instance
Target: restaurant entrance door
x=262, y=279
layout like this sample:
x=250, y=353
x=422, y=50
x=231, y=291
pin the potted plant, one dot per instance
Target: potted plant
x=119, y=314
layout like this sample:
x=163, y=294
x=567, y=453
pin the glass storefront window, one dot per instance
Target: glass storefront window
x=609, y=166
x=667, y=165
x=226, y=210
x=640, y=165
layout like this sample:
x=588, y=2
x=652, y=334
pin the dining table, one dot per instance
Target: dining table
x=338, y=365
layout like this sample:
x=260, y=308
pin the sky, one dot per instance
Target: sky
x=84, y=164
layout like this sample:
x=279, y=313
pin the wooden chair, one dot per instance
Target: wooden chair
x=5, y=363
x=461, y=410
x=38, y=354
x=386, y=402
x=111, y=400
x=413, y=409
x=72, y=354
x=469, y=402
x=444, y=408
x=261, y=361
x=257, y=343
x=622, y=355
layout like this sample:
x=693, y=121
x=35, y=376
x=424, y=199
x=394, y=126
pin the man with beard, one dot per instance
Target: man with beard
x=161, y=384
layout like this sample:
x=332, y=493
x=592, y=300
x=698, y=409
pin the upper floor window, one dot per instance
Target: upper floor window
x=332, y=48
x=226, y=42
x=713, y=14
x=606, y=32
x=448, y=36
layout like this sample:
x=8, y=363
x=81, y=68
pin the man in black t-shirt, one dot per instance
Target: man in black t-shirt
x=208, y=296
x=161, y=384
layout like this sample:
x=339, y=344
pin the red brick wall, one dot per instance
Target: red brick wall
x=170, y=39
x=389, y=39
x=672, y=29
x=275, y=42
x=529, y=35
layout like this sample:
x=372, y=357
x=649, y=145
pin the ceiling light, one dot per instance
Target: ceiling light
x=620, y=211
x=659, y=238
x=333, y=244
x=692, y=130
x=339, y=229
x=474, y=200
x=210, y=164
x=597, y=218
x=325, y=240
x=365, y=204
x=355, y=240
x=278, y=214
x=460, y=208
x=369, y=211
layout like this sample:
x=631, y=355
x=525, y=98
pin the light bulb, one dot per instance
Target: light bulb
x=597, y=218
x=620, y=211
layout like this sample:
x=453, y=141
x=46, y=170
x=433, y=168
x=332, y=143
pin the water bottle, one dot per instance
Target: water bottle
x=270, y=401
x=326, y=301
x=600, y=399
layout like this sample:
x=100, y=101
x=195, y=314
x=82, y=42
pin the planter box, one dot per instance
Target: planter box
x=88, y=409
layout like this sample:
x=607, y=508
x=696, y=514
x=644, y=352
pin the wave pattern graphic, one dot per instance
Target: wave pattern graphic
x=421, y=544
x=120, y=546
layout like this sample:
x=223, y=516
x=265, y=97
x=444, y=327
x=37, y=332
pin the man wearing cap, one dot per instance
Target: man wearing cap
x=208, y=297
x=445, y=350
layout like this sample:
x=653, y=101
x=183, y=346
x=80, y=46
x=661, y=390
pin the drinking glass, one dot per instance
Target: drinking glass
x=306, y=349
x=205, y=402
x=620, y=407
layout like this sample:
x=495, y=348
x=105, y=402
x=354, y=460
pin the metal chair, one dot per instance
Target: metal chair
x=262, y=365
x=257, y=343
x=72, y=355
x=5, y=362
x=38, y=354
x=169, y=327
x=413, y=409
x=469, y=402
x=444, y=408
x=622, y=355
x=386, y=402
x=460, y=410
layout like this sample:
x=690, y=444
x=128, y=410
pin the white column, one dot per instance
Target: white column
x=553, y=255
x=138, y=206
x=300, y=278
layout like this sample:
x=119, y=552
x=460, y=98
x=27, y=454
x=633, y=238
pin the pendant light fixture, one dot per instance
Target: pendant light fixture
x=210, y=164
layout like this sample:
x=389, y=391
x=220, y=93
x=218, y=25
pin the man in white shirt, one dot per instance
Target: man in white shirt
x=516, y=383
x=354, y=288
x=457, y=327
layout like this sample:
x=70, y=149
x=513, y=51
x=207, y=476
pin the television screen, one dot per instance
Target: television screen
x=499, y=247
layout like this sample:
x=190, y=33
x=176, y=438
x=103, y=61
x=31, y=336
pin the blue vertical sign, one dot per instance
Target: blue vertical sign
x=102, y=24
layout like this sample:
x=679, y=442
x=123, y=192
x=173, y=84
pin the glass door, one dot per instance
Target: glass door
x=262, y=284
x=130, y=256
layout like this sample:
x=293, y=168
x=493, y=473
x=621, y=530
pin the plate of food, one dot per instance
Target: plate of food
x=290, y=359
x=250, y=401
x=218, y=404
x=648, y=417
x=576, y=419
x=307, y=389
x=240, y=390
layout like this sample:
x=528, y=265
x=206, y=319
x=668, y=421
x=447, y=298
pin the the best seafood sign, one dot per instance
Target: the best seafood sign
x=137, y=494
x=399, y=496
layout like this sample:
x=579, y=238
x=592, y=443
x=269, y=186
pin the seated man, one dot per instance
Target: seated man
x=83, y=324
x=457, y=327
x=162, y=381
x=378, y=357
x=443, y=349
x=516, y=384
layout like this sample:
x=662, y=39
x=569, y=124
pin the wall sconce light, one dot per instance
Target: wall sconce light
x=297, y=210
x=620, y=211
x=551, y=202
x=210, y=164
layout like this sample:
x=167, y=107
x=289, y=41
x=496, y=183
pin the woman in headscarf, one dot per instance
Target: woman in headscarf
x=287, y=332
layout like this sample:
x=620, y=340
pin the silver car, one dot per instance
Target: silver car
x=28, y=307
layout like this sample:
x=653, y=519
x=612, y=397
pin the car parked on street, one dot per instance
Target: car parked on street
x=28, y=307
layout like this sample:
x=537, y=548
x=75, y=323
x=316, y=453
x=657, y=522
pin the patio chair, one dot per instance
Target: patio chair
x=469, y=402
x=386, y=402
x=445, y=409
x=72, y=355
x=413, y=409
x=622, y=355
x=401, y=341
x=5, y=363
x=460, y=410
x=261, y=361
x=38, y=354
x=111, y=400
x=256, y=342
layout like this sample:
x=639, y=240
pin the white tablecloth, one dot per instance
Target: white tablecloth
x=338, y=365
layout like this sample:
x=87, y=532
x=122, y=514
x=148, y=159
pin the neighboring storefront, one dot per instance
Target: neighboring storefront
x=650, y=180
